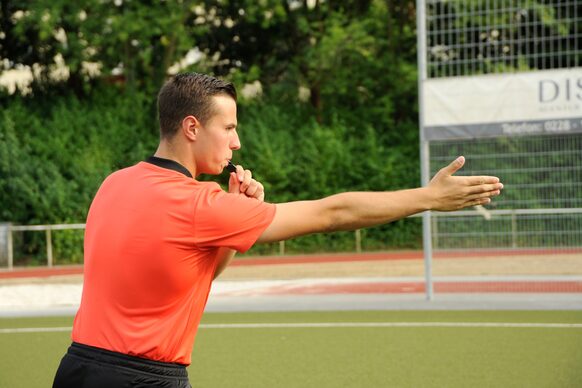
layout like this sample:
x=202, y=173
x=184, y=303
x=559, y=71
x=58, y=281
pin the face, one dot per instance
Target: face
x=217, y=138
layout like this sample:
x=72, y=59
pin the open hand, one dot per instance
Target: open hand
x=457, y=192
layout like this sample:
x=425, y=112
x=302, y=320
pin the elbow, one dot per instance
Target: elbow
x=335, y=215
x=330, y=225
x=336, y=220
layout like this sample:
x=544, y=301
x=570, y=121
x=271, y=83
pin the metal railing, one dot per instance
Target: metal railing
x=47, y=228
x=49, y=245
x=508, y=229
x=509, y=216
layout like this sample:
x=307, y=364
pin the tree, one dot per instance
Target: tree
x=523, y=36
x=138, y=39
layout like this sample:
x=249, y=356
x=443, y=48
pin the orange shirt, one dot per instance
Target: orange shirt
x=151, y=241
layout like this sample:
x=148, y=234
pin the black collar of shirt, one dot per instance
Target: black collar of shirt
x=169, y=164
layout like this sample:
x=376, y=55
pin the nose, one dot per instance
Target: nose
x=235, y=141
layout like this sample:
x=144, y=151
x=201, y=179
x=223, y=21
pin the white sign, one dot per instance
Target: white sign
x=505, y=104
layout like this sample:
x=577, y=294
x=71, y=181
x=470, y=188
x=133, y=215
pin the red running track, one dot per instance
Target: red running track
x=518, y=286
x=445, y=287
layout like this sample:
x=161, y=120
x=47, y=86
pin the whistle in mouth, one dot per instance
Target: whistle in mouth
x=231, y=167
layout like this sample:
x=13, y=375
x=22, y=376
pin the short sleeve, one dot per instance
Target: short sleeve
x=229, y=220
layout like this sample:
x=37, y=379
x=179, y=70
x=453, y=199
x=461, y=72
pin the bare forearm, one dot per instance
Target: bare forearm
x=345, y=211
x=356, y=210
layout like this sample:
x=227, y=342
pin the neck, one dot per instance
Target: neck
x=168, y=150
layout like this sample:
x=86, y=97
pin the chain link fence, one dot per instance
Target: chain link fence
x=535, y=227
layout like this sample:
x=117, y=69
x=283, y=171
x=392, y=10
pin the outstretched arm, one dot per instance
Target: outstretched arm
x=354, y=210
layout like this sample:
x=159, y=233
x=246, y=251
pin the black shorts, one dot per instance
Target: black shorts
x=90, y=367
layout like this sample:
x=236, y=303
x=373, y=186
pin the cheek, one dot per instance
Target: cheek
x=227, y=140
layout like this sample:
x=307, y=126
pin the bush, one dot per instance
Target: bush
x=54, y=154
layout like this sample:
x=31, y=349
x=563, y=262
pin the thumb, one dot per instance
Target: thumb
x=233, y=184
x=454, y=166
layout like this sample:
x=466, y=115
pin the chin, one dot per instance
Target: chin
x=213, y=170
x=218, y=170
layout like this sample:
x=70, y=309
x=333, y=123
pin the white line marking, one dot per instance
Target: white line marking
x=385, y=324
x=331, y=325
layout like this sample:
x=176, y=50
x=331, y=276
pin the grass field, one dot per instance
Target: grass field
x=456, y=351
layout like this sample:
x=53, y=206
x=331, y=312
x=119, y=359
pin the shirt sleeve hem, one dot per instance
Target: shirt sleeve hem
x=268, y=219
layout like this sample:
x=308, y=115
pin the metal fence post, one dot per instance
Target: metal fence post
x=424, y=144
x=10, y=249
x=49, y=248
x=358, y=234
x=513, y=229
x=435, y=231
x=6, y=245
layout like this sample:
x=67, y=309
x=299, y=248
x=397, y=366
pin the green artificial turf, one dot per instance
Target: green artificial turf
x=344, y=356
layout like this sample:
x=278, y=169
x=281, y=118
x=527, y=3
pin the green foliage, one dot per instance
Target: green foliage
x=310, y=160
x=68, y=246
x=299, y=159
x=138, y=39
x=338, y=110
x=356, y=130
x=54, y=155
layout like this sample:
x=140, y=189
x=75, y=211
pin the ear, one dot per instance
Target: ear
x=190, y=127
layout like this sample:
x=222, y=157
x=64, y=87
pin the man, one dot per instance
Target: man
x=156, y=238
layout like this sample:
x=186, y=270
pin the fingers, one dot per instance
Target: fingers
x=242, y=182
x=255, y=190
x=482, y=198
x=457, y=192
x=236, y=180
x=454, y=166
x=252, y=189
x=233, y=184
x=247, y=176
x=483, y=188
x=487, y=194
x=481, y=180
x=240, y=173
x=477, y=202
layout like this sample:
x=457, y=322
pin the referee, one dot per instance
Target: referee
x=156, y=237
